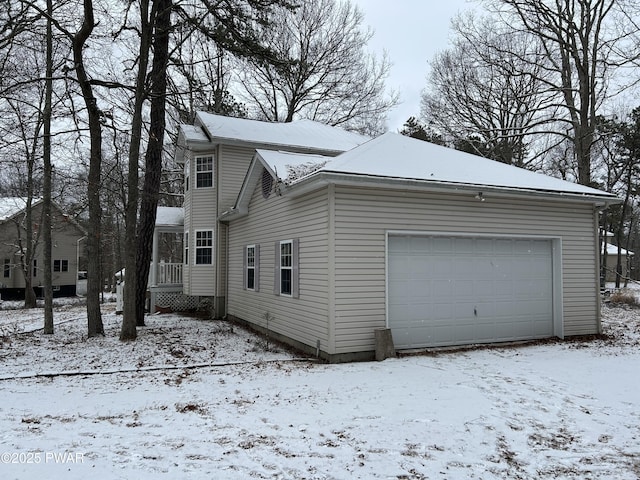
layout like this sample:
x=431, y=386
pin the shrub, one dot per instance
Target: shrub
x=624, y=297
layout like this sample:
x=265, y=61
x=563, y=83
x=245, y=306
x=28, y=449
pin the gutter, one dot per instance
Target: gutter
x=323, y=178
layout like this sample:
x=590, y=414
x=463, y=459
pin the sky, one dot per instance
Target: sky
x=411, y=31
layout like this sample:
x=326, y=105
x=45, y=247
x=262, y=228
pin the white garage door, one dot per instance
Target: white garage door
x=463, y=290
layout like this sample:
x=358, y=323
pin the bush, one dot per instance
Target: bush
x=624, y=297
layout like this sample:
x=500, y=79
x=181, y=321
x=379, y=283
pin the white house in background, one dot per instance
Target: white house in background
x=66, y=235
x=335, y=235
x=610, y=252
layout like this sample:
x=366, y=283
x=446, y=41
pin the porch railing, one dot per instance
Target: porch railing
x=169, y=273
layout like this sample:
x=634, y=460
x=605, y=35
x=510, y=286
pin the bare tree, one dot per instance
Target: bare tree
x=94, y=114
x=330, y=76
x=48, y=173
x=581, y=44
x=486, y=92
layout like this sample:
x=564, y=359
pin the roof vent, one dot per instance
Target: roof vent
x=267, y=183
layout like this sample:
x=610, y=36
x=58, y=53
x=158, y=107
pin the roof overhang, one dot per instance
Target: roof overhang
x=323, y=178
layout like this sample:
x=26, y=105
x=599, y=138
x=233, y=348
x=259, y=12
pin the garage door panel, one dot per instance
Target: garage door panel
x=460, y=290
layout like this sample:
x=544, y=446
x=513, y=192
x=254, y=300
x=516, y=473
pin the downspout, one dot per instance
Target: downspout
x=226, y=283
x=596, y=226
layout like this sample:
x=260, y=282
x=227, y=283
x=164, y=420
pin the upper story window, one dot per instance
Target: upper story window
x=7, y=268
x=61, y=265
x=204, y=247
x=204, y=172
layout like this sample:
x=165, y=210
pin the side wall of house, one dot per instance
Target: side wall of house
x=271, y=220
x=233, y=166
x=65, y=235
x=200, y=209
x=363, y=216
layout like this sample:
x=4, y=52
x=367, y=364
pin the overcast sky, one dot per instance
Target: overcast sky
x=411, y=31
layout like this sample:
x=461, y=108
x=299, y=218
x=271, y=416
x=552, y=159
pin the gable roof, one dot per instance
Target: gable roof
x=301, y=134
x=11, y=206
x=397, y=161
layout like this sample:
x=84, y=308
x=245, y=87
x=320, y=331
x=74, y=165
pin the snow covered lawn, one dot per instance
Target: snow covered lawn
x=546, y=411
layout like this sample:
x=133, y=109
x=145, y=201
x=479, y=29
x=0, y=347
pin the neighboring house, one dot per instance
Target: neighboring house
x=334, y=235
x=66, y=237
x=610, y=256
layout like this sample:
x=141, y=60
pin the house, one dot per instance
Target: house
x=66, y=235
x=610, y=259
x=332, y=236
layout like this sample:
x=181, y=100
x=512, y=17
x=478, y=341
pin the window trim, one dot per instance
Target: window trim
x=187, y=174
x=246, y=267
x=6, y=270
x=199, y=173
x=186, y=248
x=197, y=247
x=294, y=268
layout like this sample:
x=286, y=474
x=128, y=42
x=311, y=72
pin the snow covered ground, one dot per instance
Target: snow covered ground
x=552, y=410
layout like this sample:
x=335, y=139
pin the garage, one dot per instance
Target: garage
x=456, y=290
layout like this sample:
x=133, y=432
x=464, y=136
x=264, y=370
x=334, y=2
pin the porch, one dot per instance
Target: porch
x=165, y=273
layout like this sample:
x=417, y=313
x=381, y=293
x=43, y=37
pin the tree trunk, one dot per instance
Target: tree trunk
x=94, y=281
x=153, y=157
x=129, y=312
x=46, y=206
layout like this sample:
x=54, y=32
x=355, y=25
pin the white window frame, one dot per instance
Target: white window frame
x=186, y=248
x=251, y=263
x=207, y=172
x=187, y=174
x=293, y=268
x=199, y=246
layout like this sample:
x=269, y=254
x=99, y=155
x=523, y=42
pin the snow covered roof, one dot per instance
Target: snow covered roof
x=396, y=157
x=302, y=134
x=170, y=216
x=399, y=156
x=288, y=166
x=613, y=250
x=191, y=133
x=10, y=206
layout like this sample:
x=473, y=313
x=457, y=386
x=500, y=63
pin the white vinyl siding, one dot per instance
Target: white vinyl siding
x=303, y=319
x=200, y=211
x=65, y=235
x=362, y=216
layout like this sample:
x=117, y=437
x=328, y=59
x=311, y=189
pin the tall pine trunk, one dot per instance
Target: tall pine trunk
x=153, y=157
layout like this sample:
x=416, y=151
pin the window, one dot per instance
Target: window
x=204, y=247
x=286, y=266
x=186, y=248
x=35, y=267
x=61, y=265
x=204, y=172
x=286, y=274
x=7, y=268
x=187, y=171
x=251, y=268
